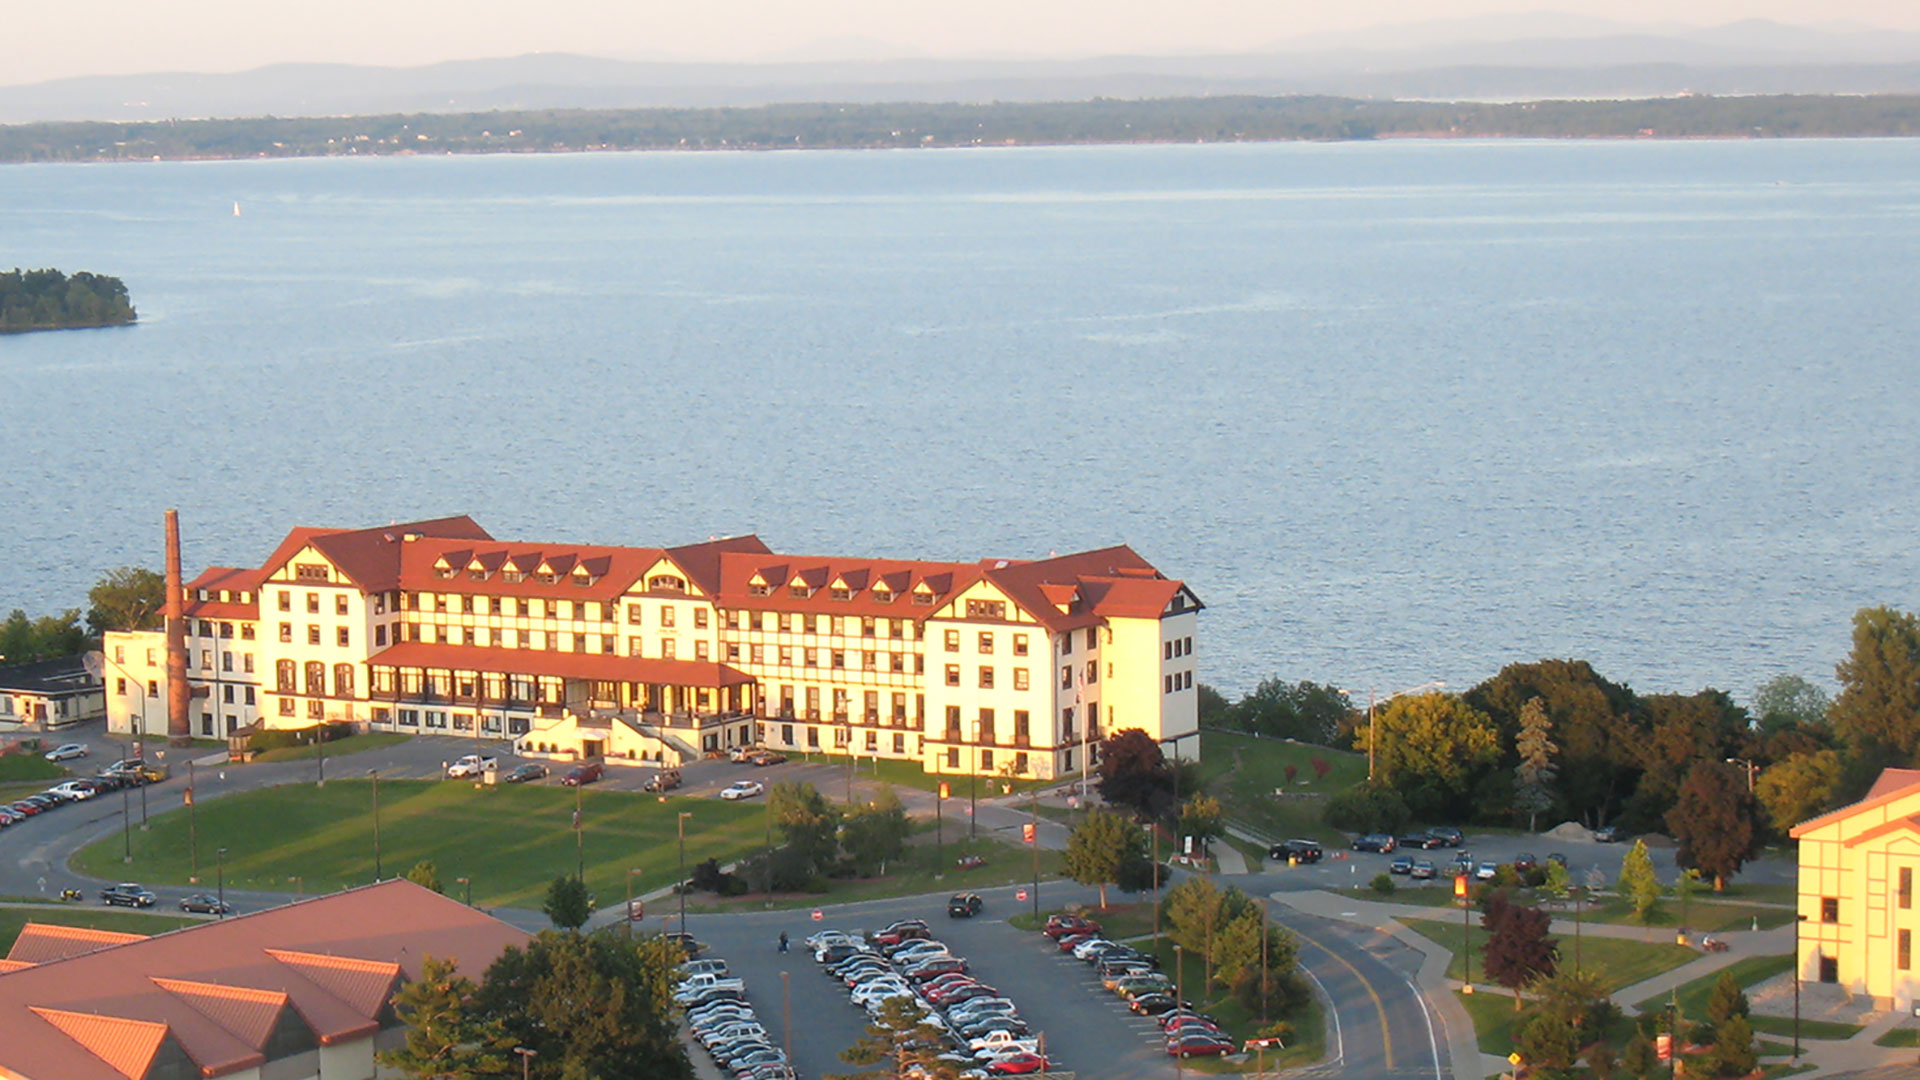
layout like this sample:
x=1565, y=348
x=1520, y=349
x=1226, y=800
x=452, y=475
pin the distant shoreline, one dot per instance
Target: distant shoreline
x=1104, y=122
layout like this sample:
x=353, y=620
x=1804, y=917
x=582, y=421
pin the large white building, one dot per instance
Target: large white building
x=662, y=654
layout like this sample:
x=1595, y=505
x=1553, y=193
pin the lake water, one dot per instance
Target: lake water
x=1398, y=412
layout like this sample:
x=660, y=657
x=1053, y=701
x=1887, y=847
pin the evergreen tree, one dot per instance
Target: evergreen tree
x=1547, y=1042
x=1879, y=702
x=1534, y=776
x=877, y=832
x=1727, y=1000
x=592, y=1007
x=902, y=1035
x=806, y=822
x=1640, y=1057
x=426, y=874
x=1733, y=1051
x=1638, y=882
x=444, y=1035
x=568, y=904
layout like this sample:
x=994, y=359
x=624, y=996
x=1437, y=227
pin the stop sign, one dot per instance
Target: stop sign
x=1021, y=895
x=817, y=916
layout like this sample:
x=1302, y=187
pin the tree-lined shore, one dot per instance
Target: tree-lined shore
x=936, y=125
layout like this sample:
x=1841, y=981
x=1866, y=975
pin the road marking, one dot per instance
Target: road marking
x=1426, y=1014
x=1339, y=1040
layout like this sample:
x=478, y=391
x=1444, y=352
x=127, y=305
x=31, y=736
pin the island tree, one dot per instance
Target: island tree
x=1100, y=847
x=1518, y=949
x=1134, y=774
x=903, y=1036
x=591, y=1006
x=445, y=1036
x=1713, y=821
x=1638, y=882
x=568, y=903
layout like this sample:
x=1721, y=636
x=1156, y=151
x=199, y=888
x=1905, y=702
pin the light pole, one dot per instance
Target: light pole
x=467, y=883
x=299, y=888
x=1462, y=890
x=630, y=873
x=973, y=783
x=220, y=869
x=1797, y=920
x=1749, y=769
x=1154, y=828
x=786, y=1009
x=526, y=1060
x=1033, y=814
x=377, y=867
x=579, y=837
x=1263, y=961
x=126, y=824
x=320, y=739
x=1373, y=699
x=193, y=828
x=680, y=826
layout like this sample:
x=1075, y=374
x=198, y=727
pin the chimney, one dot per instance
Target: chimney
x=179, y=726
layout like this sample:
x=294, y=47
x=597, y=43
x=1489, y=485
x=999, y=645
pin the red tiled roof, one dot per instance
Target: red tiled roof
x=737, y=569
x=13, y=965
x=1112, y=582
x=566, y=665
x=613, y=570
x=370, y=558
x=208, y=988
x=41, y=943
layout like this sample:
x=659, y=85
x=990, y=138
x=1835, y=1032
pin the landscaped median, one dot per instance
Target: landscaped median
x=1620, y=962
x=510, y=841
x=923, y=868
x=1702, y=917
x=1747, y=972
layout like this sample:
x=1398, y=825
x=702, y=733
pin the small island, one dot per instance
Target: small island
x=50, y=300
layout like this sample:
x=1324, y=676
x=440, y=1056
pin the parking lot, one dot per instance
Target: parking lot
x=1087, y=1030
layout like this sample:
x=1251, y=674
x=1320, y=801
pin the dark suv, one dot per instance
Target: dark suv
x=964, y=905
x=1299, y=851
x=1448, y=836
x=1381, y=842
x=127, y=894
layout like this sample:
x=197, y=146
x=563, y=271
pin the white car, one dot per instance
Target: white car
x=67, y=752
x=997, y=1043
x=874, y=989
x=1085, y=948
x=823, y=938
x=471, y=765
x=743, y=789
x=73, y=790
x=915, y=951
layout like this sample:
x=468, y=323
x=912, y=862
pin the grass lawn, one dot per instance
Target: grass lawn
x=29, y=767
x=1809, y=1029
x=511, y=840
x=1309, y=1043
x=1495, y=1022
x=1620, y=962
x=924, y=870
x=129, y=922
x=352, y=744
x=908, y=774
x=1900, y=1036
x=1243, y=772
x=1701, y=918
x=1747, y=971
x=1760, y=894
x=1773, y=1072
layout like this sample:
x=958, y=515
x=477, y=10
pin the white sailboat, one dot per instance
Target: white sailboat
x=236, y=209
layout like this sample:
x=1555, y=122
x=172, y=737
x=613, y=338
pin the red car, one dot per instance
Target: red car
x=1017, y=1065
x=1199, y=1045
x=583, y=774
x=1068, y=942
x=1059, y=926
x=945, y=982
x=933, y=969
x=1191, y=1025
x=904, y=930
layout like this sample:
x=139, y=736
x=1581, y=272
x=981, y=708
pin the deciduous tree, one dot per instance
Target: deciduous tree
x=1099, y=847
x=1789, y=701
x=1134, y=773
x=1798, y=788
x=1713, y=821
x=1437, y=738
x=1307, y=711
x=1203, y=819
x=806, y=822
x=903, y=1035
x=1879, y=702
x=127, y=598
x=591, y=1006
x=426, y=874
x=1518, y=949
x=568, y=904
x=877, y=832
x=1596, y=724
x=445, y=1037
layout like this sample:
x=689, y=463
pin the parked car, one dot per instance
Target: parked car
x=1199, y=1044
x=964, y=905
x=75, y=790
x=208, y=905
x=742, y=753
x=1525, y=861
x=1557, y=858
x=1152, y=1004
x=1299, y=851
x=664, y=780
x=1422, y=870
x=127, y=894
x=1401, y=864
x=1059, y=926
x=743, y=789
x=768, y=757
x=1423, y=841
x=1380, y=842
x=1609, y=834
x=1018, y=1064
x=1447, y=835
x=472, y=765
x=520, y=774
x=901, y=932
x=1486, y=871
x=579, y=775
x=67, y=752
x=685, y=941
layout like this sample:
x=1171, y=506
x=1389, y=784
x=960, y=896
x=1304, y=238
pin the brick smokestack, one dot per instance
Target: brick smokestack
x=179, y=728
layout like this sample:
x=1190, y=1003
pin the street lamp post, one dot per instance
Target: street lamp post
x=220, y=870
x=467, y=884
x=1154, y=828
x=630, y=873
x=1033, y=814
x=1747, y=767
x=579, y=836
x=193, y=828
x=1263, y=961
x=377, y=866
x=126, y=825
x=1797, y=920
x=973, y=784
x=680, y=826
x=526, y=1061
x=299, y=887
x=786, y=1009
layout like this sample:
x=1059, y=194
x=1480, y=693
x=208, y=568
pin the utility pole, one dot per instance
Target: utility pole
x=1033, y=814
x=220, y=868
x=193, y=828
x=377, y=868
x=680, y=826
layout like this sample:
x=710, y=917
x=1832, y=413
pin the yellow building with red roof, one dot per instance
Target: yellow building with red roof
x=1856, y=894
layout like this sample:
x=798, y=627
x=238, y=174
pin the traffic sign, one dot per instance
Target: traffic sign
x=1020, y=895
x=818, y=915
x=1026, y=833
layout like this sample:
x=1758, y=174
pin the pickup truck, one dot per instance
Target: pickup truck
x=995, y=1043
x=127, y=894
x=470, y=766
x=694, y=985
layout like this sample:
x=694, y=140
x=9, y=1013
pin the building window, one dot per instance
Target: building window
x=699, y=618
x=246, y=632
x=666, y=615
x=313, y=635
x=286, y=600
x=226, y=661
x=986, y=678
x=1829, y=909
x=984, y=730
x=986, y=643
x=316, y=710
x=283, y=676
x=786, y=656
x=1022, y=725
x=700, y=649
x=380, y=636
x=666, y=648
x=667, y=583
x=813, y=738
x=882, y=595
x=1020, y=678
x=313, y=603
x=953, y=674
x=986, y=761
x=953, y=757
x=986, y=609
x=286, y=636
x=286, y=706
x=1066, y=678
x=899, y=739
x=839, y=658
x=1905, y=960
x=345, y=637
x=1019, y=644
x=952, y=640
x=1906, y=886
x=812, y=657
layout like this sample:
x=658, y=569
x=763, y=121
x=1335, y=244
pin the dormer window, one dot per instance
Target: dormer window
x=667, y=583
x=799, y=592
x=760, y=589
x=547, y=577
x=583, y=579
x=512, y=577
x=310, y=572
x=923, y=599
x=883, y=596
x=840, y=593
x=444, y=573
x=476, y=575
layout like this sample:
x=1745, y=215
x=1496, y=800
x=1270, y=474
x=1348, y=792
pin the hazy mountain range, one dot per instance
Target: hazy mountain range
x=1495, y=58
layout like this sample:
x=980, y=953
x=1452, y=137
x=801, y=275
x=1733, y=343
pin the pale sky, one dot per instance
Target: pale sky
x=44, y=41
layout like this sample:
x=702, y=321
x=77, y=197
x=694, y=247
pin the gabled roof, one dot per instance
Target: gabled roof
x=612, y=570
x=1892, y=784
x=210, y=991
x=370, y=558
x=702, y=561
x=41, y=943
x=1113, y=582
x=778, y=573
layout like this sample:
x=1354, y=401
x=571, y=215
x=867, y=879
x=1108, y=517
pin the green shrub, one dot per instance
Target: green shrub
x=1368, y=808
x=1383, y=884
